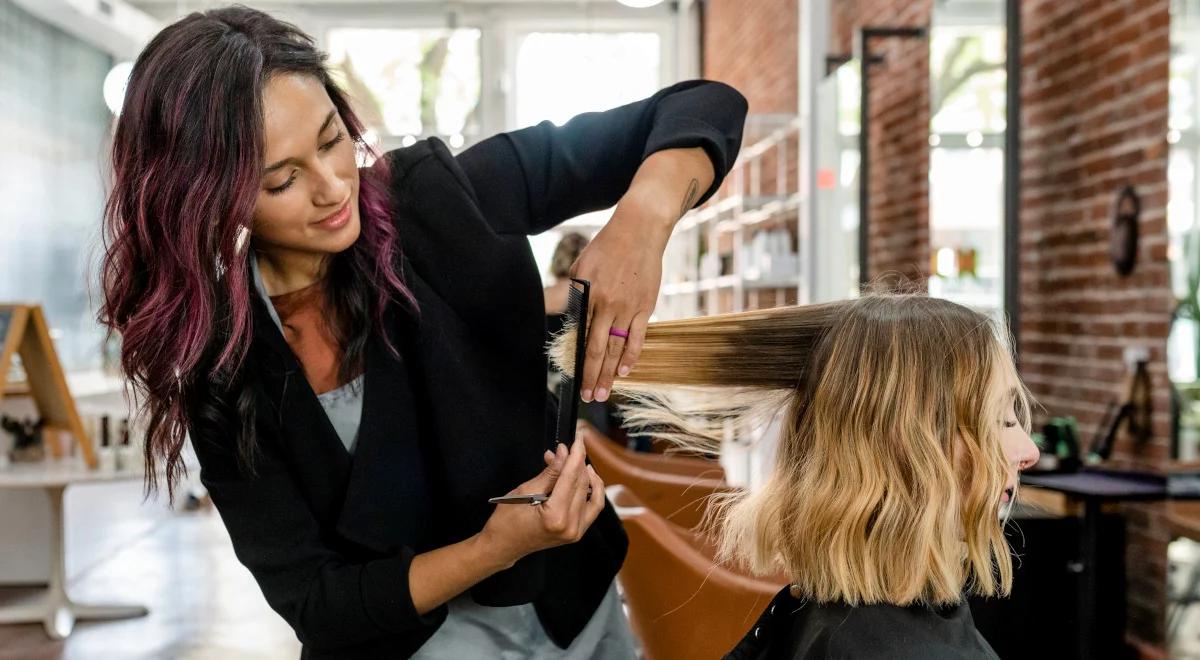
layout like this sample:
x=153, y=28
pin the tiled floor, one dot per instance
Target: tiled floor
x=203, y=603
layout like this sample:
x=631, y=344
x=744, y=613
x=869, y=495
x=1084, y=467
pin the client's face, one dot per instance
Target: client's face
x=1019, y=451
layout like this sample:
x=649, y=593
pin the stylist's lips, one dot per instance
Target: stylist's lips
x=337, y=220
x=1007, y=496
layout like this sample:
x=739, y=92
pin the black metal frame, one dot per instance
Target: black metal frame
x=865, y=36
x=1012, y=171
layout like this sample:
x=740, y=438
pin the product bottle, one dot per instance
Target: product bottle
x=127, y=453
x=105, y=454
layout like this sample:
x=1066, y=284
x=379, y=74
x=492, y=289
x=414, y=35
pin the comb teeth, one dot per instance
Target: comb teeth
x=568, y=386
x=574, y=301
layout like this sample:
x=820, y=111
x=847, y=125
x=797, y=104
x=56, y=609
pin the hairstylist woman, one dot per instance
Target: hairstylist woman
x=357, y=354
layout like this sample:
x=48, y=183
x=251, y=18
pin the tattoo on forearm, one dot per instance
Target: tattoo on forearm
x=690, y=197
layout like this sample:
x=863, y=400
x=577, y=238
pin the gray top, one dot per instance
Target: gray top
x=343, y=406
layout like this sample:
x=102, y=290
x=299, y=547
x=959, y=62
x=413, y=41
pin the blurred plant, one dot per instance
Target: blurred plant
x=962, y=61
x=433, y=64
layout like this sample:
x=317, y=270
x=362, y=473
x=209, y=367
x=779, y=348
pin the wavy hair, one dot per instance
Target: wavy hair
x=187, y=159
x=889, y=468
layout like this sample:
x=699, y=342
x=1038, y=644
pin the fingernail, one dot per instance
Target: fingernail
x=601, y=394
x=624, y=370
x=586, y=395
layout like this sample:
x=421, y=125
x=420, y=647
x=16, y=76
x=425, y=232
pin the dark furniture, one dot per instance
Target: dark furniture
x=1096, y=636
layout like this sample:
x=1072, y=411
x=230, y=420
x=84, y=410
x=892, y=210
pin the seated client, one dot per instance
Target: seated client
x=904, y=426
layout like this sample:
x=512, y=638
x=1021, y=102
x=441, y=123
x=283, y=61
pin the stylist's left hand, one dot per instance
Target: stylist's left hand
x=624, y=264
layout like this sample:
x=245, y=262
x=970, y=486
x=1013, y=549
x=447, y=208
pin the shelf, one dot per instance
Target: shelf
x=762, y=215
x=726, y=282
x=678, y=288
x=755, y=202
x=753, y=210
x=709, y=213
x=772, y=284
x=769, y=210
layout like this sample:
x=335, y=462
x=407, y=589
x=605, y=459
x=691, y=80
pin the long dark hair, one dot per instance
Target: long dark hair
x=187, y=159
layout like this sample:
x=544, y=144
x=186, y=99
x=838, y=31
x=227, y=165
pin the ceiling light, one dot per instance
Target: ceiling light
x=640, y=4
x=114, y=86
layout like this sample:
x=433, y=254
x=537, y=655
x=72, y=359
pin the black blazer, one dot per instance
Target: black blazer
x=463, y=415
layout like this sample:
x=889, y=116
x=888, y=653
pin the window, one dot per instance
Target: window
x=51, y=181
x=411, y=82
x=562, y=74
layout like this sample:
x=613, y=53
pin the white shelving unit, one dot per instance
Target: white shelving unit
x=712, y=264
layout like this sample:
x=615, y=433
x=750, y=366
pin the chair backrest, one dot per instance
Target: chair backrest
x=680, y=604
x=680, y=498
x=686, y=465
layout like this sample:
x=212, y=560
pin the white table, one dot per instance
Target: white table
x=53, y=607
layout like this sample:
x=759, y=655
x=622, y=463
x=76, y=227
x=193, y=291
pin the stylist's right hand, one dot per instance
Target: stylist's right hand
x=516, y=530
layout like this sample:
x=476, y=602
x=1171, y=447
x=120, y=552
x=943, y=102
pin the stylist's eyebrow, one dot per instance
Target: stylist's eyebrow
x=274, y=166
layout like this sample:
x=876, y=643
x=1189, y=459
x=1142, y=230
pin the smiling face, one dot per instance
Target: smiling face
x=308, y=200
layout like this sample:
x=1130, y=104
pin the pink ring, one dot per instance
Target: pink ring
x=617, y=332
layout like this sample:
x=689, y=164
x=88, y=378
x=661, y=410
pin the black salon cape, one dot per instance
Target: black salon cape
x=793, y=629
x=464, y=414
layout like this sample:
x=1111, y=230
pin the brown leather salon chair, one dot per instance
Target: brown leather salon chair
x=680, y=604
x=670, y=463
x=676, y=490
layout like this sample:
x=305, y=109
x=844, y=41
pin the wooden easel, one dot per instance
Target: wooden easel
x=24, y=332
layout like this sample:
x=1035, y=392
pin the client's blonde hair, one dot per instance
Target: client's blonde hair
x=889, y=469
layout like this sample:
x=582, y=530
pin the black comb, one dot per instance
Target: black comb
x=568, y=384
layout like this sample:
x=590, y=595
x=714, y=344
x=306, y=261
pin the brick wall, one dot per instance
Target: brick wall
x=754, y=47
x=899, y=106
x=1094, y=93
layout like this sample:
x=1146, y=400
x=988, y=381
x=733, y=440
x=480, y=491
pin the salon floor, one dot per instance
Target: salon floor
x=203, y=604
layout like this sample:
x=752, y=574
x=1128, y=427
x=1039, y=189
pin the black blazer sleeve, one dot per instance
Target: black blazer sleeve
x=531, y=179
x=328, y=601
